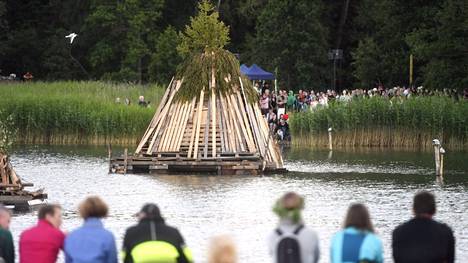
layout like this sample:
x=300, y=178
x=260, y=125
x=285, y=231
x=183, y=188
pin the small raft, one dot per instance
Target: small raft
x=12, y=192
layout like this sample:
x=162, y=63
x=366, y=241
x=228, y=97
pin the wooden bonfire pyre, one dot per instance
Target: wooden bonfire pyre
x=208, y=120
x=12, y=188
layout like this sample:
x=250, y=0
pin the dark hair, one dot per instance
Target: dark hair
x=358, y=217
x=93, y=206
x=48, y=210
x=424, y=203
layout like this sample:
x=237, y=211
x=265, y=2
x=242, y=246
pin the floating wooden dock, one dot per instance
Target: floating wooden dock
x=12, y=191
x=214, y=133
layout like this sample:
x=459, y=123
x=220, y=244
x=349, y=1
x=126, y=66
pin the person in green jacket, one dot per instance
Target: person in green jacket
x=291, y=100
x=7, y=248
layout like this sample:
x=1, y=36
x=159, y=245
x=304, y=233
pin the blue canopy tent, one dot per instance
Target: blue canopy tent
x=257, y=73
x=244, y=68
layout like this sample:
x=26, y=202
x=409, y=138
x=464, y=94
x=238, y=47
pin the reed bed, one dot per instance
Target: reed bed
x=78, y=112
x=378, y=122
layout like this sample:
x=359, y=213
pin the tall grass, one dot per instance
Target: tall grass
x=378, y=122
x=77, y=112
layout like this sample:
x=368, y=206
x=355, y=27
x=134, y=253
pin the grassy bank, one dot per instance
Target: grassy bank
x=377, y=122
x=77, y=112
x=86, y=113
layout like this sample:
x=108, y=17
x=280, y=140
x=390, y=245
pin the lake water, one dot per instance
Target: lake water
x=203, y=206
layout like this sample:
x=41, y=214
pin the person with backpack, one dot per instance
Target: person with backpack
x=292, y=241
x=357, y=241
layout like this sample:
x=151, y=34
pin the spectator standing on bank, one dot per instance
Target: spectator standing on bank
x=7, y=248
x=265, y=103
x=91, y=243
x=292, y=241
x=357, y=241
x=282, y=99
x=291, y=101
x=151, y=240
x=42, y=243
x=422, y=239
x=222, y=250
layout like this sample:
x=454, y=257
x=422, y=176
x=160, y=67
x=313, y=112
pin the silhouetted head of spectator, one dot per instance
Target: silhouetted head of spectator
x=289, y=207
x=358, y=217
x=222, y=250
x=51, y=213
x=5, y=217
x=150, y=211
x=424, y=204
x=93, y=206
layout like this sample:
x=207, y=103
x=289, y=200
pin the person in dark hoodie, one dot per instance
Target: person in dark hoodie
x=423, y=239
x=151, y=240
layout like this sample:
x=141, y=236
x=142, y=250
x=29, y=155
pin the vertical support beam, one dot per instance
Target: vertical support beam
x=125, y=160
x=213, y=122
x=436, y=144
x=207, y=129
x=109, y=155
x=197, y=132
x=442, y=153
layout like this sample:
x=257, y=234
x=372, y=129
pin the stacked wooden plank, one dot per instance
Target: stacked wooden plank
x=212, y=127
x=12, y=188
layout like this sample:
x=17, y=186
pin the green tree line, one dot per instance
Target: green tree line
x=136, y=40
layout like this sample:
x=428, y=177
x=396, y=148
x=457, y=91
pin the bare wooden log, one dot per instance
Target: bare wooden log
x=245, y=129
x=230, y=138
x=197, y=132
x=163, y=116
x=213, y=121
x=161, y=146
x=152, y=125
x=184, y=124
x=207, y=130
x=222, y=128
x=179, y=123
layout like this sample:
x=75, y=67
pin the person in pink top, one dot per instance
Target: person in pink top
x=42, y=243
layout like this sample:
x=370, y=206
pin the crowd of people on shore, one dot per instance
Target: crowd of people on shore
x=421, y=239
x=287, y=101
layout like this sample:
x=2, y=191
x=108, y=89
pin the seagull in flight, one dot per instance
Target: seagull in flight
x=72, y=37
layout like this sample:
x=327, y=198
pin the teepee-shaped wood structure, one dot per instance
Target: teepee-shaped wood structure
x=208, y=119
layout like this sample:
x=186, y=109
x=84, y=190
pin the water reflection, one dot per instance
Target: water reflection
x=203, y=206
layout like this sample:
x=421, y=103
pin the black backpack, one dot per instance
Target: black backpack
x=289, y=250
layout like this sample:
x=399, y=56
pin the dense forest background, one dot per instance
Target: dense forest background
x=135, y=40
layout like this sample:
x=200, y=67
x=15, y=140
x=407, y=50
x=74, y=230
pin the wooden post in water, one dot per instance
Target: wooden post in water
x=441, y=171
x=330, y=139
x=109, y=153
x=436, y=144
x=125, y=160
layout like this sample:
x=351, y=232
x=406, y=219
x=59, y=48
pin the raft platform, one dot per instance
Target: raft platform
x=241, y=164
x=12, y=192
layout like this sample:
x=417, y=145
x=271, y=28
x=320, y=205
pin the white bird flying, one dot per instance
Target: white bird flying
x=72, y=37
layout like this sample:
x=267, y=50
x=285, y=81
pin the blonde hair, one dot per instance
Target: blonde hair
x=222, y=250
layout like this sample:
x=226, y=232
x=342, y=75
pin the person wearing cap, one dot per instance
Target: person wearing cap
x=91, y=242
x=292, y=241
x=151, y=240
